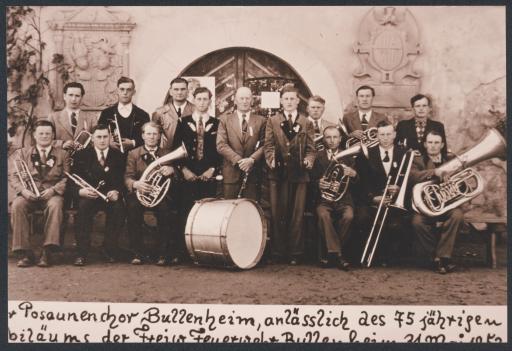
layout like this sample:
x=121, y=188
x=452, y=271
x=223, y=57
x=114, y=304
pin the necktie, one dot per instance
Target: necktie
x=244, y=123
x=179, y=112
x=386, y=157
x=43, y=156
x=317, y=128
x=364, y=122
x=102, y=158
x=200, y=138
x=290, y=122
x=74, y=122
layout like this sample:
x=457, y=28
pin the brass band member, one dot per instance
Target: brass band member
x=383, y=161
x=102, y=168
x=46, y=165
x=175, y=106
x=316, y=108
x=412, y=132
x=334, y=218
x=238, y=135
x=439, y=246
x=138, y=160
x=130, y=117
x=289, y=153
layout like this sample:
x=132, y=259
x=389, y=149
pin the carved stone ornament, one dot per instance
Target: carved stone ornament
x=95, y=43
x=387, y=46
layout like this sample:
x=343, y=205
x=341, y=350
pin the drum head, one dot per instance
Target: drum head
x=245, y=236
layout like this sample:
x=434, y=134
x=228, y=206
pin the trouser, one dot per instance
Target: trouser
x=87, y=208
x=437, y=245
x=231, y=191
x=53, y=215
x=334, y=220
x=166, y=221
x=287, y=202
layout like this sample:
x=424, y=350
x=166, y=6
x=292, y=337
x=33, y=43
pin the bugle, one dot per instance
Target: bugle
x=25, y=177
x=116, y=133
x=84, y=185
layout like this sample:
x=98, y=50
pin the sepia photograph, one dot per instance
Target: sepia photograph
x=257, y=155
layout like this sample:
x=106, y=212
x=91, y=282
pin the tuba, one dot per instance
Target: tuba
x=25, y=177
x=160, y=184
x=432, y=199
x=334, y=174
x=369, y=139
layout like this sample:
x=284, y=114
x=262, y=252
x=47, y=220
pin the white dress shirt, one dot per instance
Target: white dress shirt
x=368, y=115
x=98, y=153
x=240, y=118
x=294, y=115
x=125, y=110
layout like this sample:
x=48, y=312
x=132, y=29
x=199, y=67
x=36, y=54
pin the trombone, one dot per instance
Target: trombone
x=116, y=134
x=25, y=177
x=84, y=185
x=382, y=211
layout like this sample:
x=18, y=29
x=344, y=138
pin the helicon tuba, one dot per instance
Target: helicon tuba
x=464, y=184
x=160, y=184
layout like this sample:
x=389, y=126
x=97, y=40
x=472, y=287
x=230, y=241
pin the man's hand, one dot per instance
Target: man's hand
x=143, y=187
x=68, y=145
x=323, y=184
x=47, y=193
x=128, y=143
x=246, y=164
x=308, y=163
x=359, y=134
x=88, y=193
x=443, y=175
x=28, y=195
x=207, y=174
x=392, y=190
x=167, y=171
x=188, y=175
x=272, y=164
x=113, y=195
x=349, y=172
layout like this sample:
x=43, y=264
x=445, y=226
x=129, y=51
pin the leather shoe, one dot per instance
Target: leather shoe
x=342, y=264
x=443, y=266
x=26, y=261
x=161, y=261
x=175, y=261
x=136, y=260
x=79, y=261
x=294, y=261
x=324, y=263
x=44, y=259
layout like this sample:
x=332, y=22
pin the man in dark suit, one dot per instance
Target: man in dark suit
x=383, y=162
x=289, y=153
x=334, y=217
x=175, y=106
x=411, y=133
x=438, y=246
x=137, y=162
x=240, y=141
x=130, y=118
x=47, y=164
x=102, y=167
x=365, y=117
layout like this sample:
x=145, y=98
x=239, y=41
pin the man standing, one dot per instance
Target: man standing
x=47, y=166
x=334, y=217
x=102, y=167
x=240, y=141
x=130, y=118
x=70, y=121
x=365, y=117
x=175, y=106
x=439, y=247
x=289, y=153
x=411, y=133
x=316, y=108
x=137, y=162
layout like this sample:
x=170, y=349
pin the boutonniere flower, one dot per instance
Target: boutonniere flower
x=36, y=164
x=395, y=165
x=208, y=127
x=296, y=128
x=106, y=169
x=192, y=126
x=50, y=162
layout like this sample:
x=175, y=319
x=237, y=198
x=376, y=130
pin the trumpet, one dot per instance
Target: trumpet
x=382, y=211
x=116, y=133
x=160, y=184
x=369, y=139
x=84, y=185
x=81, y=141
x=25, y=177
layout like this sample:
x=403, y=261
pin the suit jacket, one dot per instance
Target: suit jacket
x=289, y=152
x=87, y=166
x=352, y=121
x=321, y=163
x=136, y=163
x=63, y=131
x=374, y=175
x=423, y=168
x=233, y=146
x=46, y=176
x=167, y=118
x=138, y=117
x=186, y=133
x=406, y=129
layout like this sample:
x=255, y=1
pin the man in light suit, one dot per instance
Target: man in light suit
x=70, y=121
x=47, y=164
x=175, y=106
x=240, y=141
x=289, y=153
x=362, y=119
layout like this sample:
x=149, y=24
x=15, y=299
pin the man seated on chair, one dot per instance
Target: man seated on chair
x=46, y=165
x=438, y=245
x=138, y=160
x=334, y=217
x=102, y=167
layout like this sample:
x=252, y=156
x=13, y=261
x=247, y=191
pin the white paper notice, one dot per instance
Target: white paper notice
x=270, y=99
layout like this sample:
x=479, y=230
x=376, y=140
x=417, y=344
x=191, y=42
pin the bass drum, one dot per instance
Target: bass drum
x=230, y=233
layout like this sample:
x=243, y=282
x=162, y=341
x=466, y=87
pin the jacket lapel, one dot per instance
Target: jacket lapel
x=233, y=123
x=64, y=122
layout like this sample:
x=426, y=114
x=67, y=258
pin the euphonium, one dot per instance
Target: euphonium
x=25, y=177
x=369, y=139
x=160, y=184
x=464, y=184
x=335, y=175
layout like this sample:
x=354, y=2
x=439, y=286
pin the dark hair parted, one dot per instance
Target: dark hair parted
x=179, y=80
x=43, y=123
x=317, y=98
x=74, y=85
x=125, y=80
x=202, y=90
x=99, y=127
x=419, y=97
x=365, y=87
x=288, y=88
x=384, y=124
